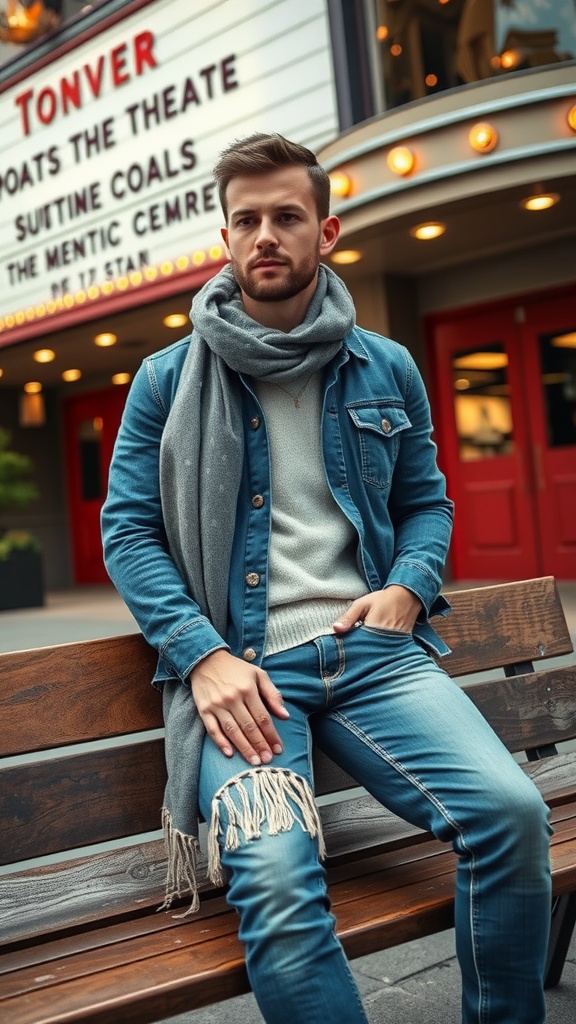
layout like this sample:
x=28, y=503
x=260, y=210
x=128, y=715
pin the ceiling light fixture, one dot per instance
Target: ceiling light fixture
x=44, y=355
x=542, y=201
x=175, y=320
x=401, y=160
x=340, y=185
x=483, y=137
x=571, y=118
x=121, y=378
x=424, y=232
x=344, y=256
x=70, y=375
x=105, y=340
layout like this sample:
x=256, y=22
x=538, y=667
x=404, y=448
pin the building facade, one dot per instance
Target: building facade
x=449, y=130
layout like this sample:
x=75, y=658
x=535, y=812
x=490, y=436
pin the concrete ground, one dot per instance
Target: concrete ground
x=408, y=984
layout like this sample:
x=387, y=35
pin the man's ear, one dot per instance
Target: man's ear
x=330, y=231
x=224, y=233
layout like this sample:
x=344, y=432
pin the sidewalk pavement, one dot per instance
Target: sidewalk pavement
x=415, y=982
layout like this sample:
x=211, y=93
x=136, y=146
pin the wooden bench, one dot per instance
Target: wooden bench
x=81, y=937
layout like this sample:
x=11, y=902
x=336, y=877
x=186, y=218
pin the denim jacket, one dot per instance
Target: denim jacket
x=380, y=464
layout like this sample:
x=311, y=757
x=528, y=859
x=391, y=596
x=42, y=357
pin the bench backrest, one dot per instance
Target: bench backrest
x=98, y=690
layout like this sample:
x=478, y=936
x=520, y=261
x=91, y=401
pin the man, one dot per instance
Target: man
x=277, y=524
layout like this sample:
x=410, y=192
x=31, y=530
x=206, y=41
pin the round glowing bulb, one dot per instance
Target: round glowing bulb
x=175, y=320
x=340, y=185
x=44, y=355
x=541, y=202
x=509, y=59
x=424, y=232
x=396, y=49
x=69, y=375
x=33, y=387
x=382, y=32
x=571, y=117
x=401, y=160
x=121, y=378
x=483, y=137
x=346, y=256
x=105, y=340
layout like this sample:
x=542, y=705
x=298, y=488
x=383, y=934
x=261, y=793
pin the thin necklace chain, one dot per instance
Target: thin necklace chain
x=295, y=398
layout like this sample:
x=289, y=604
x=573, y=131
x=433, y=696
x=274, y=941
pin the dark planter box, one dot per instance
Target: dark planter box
x=21, y=581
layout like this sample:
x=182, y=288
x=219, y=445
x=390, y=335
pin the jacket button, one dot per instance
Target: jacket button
x=386, y=426
x=255, y=422
x=249, y=654
x=252, y=579
x=257, y=501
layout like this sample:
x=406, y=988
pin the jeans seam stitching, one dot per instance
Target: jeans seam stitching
x=402, y=770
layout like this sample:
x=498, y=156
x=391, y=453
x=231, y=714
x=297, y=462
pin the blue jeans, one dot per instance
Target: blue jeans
x=382, y=709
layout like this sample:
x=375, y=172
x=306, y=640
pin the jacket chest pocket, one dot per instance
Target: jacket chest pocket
x=379, y=429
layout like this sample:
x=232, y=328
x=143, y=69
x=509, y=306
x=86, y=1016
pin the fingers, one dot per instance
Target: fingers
x=351, y=617
x=232, y=706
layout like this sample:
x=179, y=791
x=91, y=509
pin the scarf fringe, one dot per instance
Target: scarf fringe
x=279, y=797
x=182, y=852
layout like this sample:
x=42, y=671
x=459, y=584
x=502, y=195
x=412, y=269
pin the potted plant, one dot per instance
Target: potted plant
x=21, y=582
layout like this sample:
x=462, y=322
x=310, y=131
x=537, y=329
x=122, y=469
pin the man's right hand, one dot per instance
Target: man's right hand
x=234, y=700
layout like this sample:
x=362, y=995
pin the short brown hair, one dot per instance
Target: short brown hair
x=258, y=154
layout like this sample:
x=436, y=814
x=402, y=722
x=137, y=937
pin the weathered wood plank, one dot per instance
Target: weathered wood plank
x=529, y=710
x=80, y=799
x=490, y=627
x=82, y=691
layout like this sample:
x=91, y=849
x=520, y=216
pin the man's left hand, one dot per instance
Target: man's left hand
x=393, y=608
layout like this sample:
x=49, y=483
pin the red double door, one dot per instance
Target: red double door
x=504, y=399
x=91, y=422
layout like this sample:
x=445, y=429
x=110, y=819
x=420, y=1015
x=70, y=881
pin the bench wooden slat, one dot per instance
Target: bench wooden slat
x=81, y=691
x=529, y=710
x=374, y=909
x=80, y=799
x=492, y=627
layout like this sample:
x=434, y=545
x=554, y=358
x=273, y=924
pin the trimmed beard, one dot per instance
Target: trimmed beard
x=277, y=291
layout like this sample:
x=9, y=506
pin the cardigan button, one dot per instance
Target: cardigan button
x=257, y=501
x=252, y=579
x=249, y=654
x=386, y=426
x=255, y=422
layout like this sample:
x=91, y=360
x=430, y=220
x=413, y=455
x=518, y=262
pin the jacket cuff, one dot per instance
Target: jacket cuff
x=417, y=577
x=188, y=645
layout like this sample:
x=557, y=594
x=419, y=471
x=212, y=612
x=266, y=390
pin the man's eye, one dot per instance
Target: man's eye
x=287, y=217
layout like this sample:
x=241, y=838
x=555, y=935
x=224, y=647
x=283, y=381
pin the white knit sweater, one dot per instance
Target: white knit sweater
x=314, y=572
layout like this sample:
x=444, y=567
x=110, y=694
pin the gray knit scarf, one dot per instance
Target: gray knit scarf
x=200, y=472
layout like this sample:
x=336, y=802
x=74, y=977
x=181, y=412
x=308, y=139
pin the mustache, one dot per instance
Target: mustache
x=267, y=255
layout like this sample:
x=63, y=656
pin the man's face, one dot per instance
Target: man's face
x=274, y=236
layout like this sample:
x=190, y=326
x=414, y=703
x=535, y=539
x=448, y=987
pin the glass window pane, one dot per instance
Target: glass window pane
x=90, y=457
x=425, y=47
x=482, y=403
x=558, y=363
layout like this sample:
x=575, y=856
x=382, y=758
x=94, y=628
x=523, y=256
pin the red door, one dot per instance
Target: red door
x=91, y=423
x=506, y=419
x=549, y=342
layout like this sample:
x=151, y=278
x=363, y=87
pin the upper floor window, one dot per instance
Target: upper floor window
x=425, y=46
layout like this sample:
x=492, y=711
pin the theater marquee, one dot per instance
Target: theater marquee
x=105, y=171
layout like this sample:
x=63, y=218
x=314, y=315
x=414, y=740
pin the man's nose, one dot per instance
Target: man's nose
x=266, y=235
